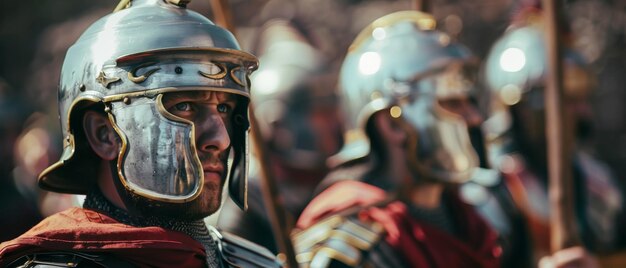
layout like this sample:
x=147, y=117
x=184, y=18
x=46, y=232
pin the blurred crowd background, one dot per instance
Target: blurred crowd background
x=34, y=35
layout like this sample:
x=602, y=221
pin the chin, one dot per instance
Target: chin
x=207, y=203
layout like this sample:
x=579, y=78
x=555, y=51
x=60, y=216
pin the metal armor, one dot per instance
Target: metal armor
x=400, y=64
x=343, y=240
x=125, y=62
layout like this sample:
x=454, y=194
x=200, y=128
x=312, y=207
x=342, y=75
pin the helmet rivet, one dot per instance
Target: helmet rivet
x=81, y=87
x=107, y=109
x=126, y=100
x=178, y=70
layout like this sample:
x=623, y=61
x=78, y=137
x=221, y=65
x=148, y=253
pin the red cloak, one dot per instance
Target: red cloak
x=420, y=244
x=84, y=230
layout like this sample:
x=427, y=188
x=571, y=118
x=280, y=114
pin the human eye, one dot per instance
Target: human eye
x=223, y=108
x=182, y=107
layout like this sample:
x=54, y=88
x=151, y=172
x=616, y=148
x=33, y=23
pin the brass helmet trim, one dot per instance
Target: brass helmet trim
x=424, y=21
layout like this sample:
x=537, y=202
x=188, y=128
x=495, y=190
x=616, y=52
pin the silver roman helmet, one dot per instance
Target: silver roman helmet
x=515, y=71
x=125, y=62
x=291, y=85
x=400, y=64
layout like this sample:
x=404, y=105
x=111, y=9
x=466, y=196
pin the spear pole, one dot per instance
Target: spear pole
x=562, y=220
x=422, y=5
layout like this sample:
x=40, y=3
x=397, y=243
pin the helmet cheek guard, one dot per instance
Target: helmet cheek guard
x=158, y=157
x=238, y=182
x=127, y=61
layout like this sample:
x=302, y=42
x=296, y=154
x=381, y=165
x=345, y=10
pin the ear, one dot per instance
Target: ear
x=101, y=136
x=389, y=129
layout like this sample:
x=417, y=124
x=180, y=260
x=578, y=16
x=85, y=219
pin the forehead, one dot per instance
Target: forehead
x=199, y=95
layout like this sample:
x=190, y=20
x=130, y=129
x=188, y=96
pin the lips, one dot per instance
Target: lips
x=216, y=169
x=213, y=172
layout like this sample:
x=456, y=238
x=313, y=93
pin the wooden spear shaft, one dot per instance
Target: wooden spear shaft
x=277, y=212
x=562, y=220
x=422, y=5
x=222, y=15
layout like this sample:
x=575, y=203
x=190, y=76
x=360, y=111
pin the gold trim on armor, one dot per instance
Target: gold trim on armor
x=370, y=235
x=340, y=256
x=221, y=74
x=350, y=239
x=139, y=79
x=235, y=78
x=104, y=80
x=304, y=237
x=423, y=21
x=350, y=232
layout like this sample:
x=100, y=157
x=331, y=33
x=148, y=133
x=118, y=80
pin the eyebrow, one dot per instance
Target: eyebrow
x=221, y=96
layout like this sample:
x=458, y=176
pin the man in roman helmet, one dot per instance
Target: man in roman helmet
x=153, y=104
x=296, y=105
x=485, y=190
x=515, y=72
x=398, y=140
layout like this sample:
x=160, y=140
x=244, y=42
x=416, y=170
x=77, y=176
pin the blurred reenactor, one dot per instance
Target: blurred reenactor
x=296, y=106
x=399, y=139
x=515, y=71
x=485, y=190
x=35, y=150
x=153, y=102
x=23, y=210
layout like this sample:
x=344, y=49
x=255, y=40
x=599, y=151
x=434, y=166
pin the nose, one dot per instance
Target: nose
x=211, y=134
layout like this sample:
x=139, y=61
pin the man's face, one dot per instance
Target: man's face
x=212, y=117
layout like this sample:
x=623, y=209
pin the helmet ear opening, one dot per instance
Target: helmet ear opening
x=76, y=171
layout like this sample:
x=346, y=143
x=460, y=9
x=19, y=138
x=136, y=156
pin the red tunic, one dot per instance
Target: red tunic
x=84, y=230
x=420, y=244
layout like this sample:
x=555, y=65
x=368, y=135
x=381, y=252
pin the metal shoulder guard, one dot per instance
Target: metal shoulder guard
x=239, y=252
x=336, y=241
x=68, y=259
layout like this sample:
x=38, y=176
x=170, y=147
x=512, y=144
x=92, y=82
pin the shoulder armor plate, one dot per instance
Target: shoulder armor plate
x=239, y=252
x=337, y=238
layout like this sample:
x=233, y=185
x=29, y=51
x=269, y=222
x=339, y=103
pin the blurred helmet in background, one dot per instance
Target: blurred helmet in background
x=401, y=65
x=515, y=72
x=295, y=100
